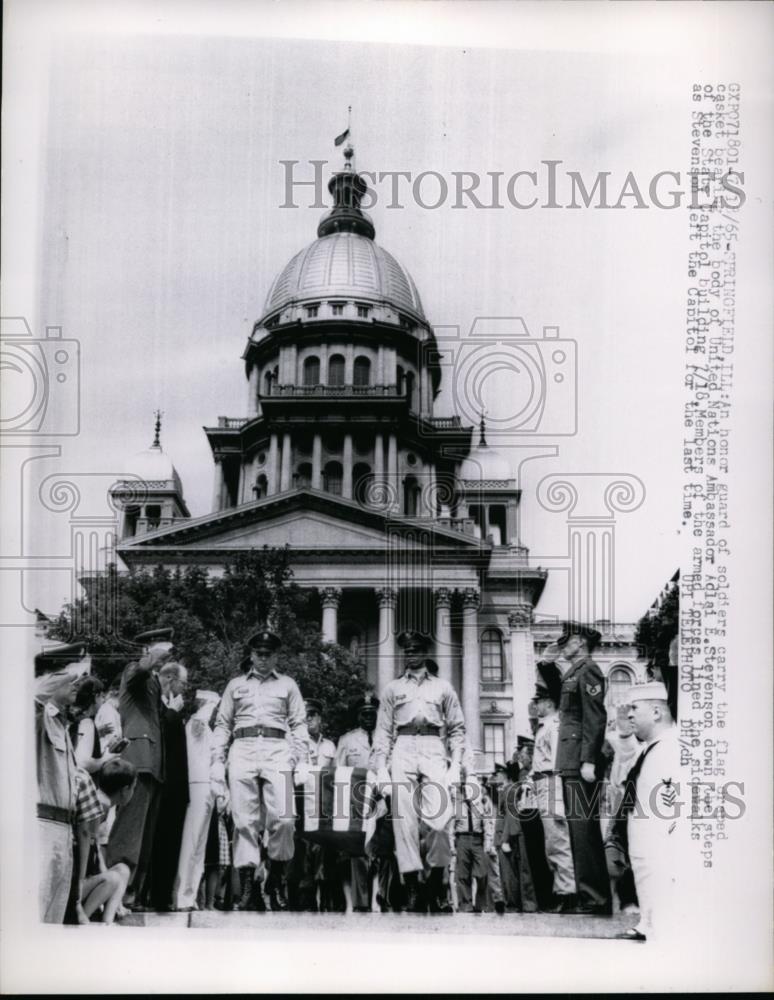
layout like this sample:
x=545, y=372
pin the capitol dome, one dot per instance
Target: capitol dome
x=345, y=265
x=484, y=462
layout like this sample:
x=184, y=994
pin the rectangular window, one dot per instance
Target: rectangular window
x=337, y=308
x=362, y=312
x=311, y=311
x=494, y=744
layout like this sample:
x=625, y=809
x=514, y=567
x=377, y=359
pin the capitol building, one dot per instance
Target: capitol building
x=395, y=517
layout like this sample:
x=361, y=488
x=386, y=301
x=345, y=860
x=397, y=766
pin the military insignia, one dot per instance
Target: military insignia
x=593, y=689
x=241, y=692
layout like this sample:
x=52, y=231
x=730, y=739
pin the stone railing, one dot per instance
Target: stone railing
x=232, y=423
x=335, y=391
x=445, y=423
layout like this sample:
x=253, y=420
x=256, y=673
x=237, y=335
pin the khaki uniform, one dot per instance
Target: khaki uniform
x=550, y=804
x=421, y=801
x=201, y=801
x=260, y=767
x=354, y=750
x=56, y=805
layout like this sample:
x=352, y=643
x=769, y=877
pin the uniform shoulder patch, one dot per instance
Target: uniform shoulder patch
x=593, y=689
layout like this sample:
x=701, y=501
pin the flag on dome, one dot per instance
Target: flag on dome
x=340, y=138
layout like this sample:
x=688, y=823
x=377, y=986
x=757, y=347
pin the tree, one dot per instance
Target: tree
x=212, y=618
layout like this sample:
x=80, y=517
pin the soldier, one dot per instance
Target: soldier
x=415, y=709
x=354, y=750
x=321, y=750
x=264, y=713
x=56, y=673
x=582, y=724
x=141, y=708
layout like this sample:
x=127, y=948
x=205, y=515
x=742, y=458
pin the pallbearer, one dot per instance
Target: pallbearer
x=264, y=713
x=410, y=758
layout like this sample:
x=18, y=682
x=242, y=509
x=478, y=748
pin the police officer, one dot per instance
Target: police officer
x=56, y=673
x=354, y=750
x=582, y=724
x=264, y=713
x=414, y=712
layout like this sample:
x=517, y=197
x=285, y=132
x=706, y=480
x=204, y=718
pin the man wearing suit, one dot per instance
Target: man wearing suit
x=582, y=724
x=141, y=709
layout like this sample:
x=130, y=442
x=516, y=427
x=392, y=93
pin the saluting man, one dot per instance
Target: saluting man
x=414, y=712
x=56, y=673
x=582, y=724
x=264, y=713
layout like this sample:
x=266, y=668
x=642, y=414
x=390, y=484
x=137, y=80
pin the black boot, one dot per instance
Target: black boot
x=437, y=899
x=256, y=901
x=414, y=898
x=246, y=878
x=275, y=886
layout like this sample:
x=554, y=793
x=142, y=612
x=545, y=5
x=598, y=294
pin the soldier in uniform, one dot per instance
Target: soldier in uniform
x=56, y=673
x=582, y=725
x=415, y=711
x=263, y=712
x=132, y=836
x=354, y=750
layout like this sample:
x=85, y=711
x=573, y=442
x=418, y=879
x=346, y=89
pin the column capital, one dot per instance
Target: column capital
x=471, y=597
x=443, y=597
x=387, y=597
x=520, y=617
x=330, y=596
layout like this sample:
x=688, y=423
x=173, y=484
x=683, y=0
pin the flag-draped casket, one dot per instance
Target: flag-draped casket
x=340, y=808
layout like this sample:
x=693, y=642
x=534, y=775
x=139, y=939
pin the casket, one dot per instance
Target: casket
x=340, y=808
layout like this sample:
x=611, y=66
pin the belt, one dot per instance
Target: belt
x=58, y=814
x=470, y=833
x=247, y=731
x=544, y=774
x=412, y=730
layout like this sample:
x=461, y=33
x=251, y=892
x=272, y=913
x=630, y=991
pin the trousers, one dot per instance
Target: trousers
x=471, y=864
x=196, y=827
x=421, y=806
x=550, y=803
x=55, y=844
x=260, y=781
x=581, y=801
x=131, y=838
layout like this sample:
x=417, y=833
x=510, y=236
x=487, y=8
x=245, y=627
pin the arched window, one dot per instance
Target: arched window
x=332, y=477
x=336, y=370
x=361, y=481
x=410, y=496
x=491, y=655
x=312, y=371
x=303, y=477
x=362, y=371
x=619, y=682
x=261, y=487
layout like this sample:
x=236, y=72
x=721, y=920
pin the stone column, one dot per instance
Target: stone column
x=522, y=668
x=252, y=392
x=217, y=489
x=423, y=396
x=317, y=462
x=378, y=465
x=393, y=486
x=330, y=598
x=471, y=666
x=388, y=602
x=273, y=478
x=430, y=490
x=346, y=483
x=285, y=467
x=349, y=364
x=443, y=636
x=380, y=379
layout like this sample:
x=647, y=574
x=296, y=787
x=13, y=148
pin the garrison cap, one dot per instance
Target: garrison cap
x=154, y=635
x=651, y=691
x=524, y=741
x=584, y=631
x=58, y=658
x=410, y=636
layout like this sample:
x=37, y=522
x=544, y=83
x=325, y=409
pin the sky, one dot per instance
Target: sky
x=161, y=229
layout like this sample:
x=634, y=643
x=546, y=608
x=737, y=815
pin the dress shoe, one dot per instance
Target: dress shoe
x=564, y=903
x=632, y=934
x=415, y=902
x=275, y=887
x=500, y=907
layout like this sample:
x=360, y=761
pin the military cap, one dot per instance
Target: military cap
x=365, y=701
x=313, y=705
x=57, y=658
x=651, y=691
x=414, y=637
x=549, y=682
x=154, y=635
x=592, y=637
x=263, y=637
x=524, y=741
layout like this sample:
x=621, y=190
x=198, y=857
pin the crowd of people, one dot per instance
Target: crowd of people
x=142, y=807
